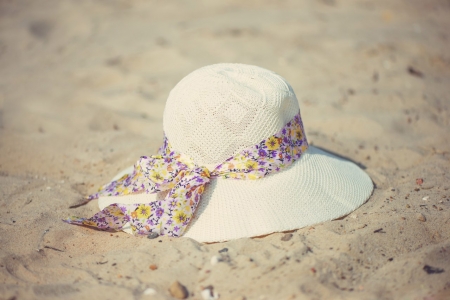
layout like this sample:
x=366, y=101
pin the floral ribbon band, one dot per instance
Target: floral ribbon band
x=184, y=182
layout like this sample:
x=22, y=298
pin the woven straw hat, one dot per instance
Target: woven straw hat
x=219, y=110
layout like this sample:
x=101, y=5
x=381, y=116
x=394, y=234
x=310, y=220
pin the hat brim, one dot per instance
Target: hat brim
x=316, y=188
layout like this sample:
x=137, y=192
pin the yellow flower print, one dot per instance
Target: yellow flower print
x=186, y=160
x=89, y=223
x=156, y=177
x=241, y=164
x=201, y=189
x=125, y=191
x=138, y=174
x=299, y=134
x=240, y=158
x=122, y=179
x=251, y=165
x=116, y=212
x=181, y=203
x=205, y=172
x=143, y=211
x=170, y=185
x=180, y=217
x=272, y=143
x=252, y=176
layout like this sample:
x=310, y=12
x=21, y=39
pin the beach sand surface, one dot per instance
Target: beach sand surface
x=83, y=86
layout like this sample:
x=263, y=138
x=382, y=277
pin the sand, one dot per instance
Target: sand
x=82, y=91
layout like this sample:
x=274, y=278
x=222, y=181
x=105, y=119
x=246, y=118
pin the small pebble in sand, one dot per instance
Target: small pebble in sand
x=208, y=293
x=178, y=290
x=432, y=270
x=215, y=259
x=152, y=235
x=153, y=267
x=419, y=181
x=223, y=250
x=426, y=198
x=149, y=291
x=287, y=237
x=421, y=217
x=408, y=206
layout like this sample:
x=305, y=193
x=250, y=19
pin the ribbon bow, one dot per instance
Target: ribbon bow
x=184, y=181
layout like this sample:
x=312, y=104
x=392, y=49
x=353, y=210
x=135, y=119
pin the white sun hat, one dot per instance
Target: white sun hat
x=217, y=111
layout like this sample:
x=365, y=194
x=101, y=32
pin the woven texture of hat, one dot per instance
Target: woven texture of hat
x=218, y=110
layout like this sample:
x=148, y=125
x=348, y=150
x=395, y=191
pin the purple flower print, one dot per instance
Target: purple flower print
x=159, y=212
x=262, y=153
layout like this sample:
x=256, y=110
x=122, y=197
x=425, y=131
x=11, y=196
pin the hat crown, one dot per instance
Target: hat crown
x=218, y=110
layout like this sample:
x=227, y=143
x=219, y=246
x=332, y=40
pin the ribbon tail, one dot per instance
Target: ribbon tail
x=133, y=182
x=181, y=202
x=110, y=218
